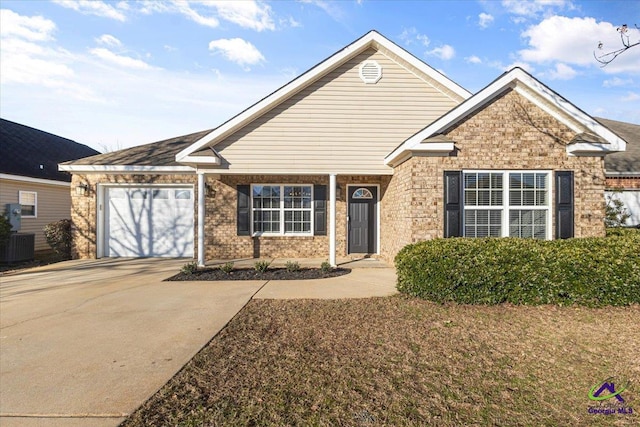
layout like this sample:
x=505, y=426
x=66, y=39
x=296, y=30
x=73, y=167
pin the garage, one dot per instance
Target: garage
x=148, y=222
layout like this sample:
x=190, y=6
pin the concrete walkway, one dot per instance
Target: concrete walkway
x=84, y=343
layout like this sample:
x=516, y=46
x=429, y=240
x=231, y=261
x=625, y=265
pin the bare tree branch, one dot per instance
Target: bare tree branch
x=607, y=58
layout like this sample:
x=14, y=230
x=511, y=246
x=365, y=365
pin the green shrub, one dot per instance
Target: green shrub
x=189, y=268
x=261, y=266
x=58, y=235
x=325, y=267
x=5, y=229
x=227, y=267
x=619, y=231
x=588, y=271
x=292, y=266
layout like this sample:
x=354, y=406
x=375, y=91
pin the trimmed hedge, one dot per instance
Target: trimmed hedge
x=587, y=271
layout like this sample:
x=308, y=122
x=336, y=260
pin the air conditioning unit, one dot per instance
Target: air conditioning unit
x=19, y=247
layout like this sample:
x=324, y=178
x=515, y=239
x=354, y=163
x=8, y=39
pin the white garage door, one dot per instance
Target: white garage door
x=149, y=222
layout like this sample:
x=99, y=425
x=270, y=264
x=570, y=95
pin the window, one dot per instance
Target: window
x=28, y=203
x=362, y=193
x=281, y=209
x=506, y=204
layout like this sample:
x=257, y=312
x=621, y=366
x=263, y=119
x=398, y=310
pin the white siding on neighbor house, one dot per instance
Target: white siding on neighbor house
x=339, y=124
x=631, y=200
x=54, y=203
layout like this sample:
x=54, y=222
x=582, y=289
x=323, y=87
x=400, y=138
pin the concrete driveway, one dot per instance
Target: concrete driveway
x=84, y=343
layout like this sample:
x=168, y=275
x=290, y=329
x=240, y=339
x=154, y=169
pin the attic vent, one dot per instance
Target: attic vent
x=370, y=72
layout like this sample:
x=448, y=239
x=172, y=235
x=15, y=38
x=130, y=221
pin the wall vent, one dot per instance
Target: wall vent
x=370, y=72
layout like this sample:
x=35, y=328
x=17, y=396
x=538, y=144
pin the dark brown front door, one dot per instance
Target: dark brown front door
x=362, y=219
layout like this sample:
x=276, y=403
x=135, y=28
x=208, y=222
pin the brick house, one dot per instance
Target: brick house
x=366, y=152
x=622, y=170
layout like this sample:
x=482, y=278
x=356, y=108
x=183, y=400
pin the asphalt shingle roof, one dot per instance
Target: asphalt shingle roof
x=161, y=153
x=26, y=151
x=629, y=160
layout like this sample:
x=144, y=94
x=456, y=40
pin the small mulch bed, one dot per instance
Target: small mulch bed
x=252, y=274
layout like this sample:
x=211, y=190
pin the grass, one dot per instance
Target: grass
x=401, y=361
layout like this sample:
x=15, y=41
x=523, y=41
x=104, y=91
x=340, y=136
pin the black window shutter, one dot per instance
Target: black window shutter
x=452, y=204
x=244, y=210
x=320, y=210
x=564, y=204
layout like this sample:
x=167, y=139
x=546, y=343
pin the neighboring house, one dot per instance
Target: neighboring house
x=366, y=152
x=622, y=170
x=29, y=175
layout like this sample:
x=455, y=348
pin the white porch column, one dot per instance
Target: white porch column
x=332, y=220
x=201, y=210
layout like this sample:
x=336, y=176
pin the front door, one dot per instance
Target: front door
x=362, y=219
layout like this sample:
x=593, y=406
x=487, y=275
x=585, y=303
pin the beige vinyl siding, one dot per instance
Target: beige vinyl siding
x=54, y=203
x=338, y=124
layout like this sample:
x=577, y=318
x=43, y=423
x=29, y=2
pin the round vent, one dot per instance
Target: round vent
x=370, y=72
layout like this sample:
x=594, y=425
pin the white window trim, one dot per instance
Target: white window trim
x=35, y=205
x=282, y=210
x=505, y=208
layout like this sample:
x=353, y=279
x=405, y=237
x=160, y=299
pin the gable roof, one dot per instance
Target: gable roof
x=34, y=153
x=156, y=156
x=628, y=161
x=369, y=40
x=585, y=126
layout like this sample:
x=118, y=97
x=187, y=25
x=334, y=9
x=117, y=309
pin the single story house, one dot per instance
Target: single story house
x=29, y=175
x=366, y=152
x=622, y=170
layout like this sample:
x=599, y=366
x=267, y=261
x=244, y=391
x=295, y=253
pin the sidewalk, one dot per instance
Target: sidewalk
x=360, y=283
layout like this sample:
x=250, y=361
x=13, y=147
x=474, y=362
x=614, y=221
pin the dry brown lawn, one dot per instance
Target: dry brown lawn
x=402, y=361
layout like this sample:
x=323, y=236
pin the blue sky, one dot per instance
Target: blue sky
x=117, y=74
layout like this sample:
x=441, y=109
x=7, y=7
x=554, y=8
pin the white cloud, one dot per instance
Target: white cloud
x=616, y=82
x=484, y=20
x=631, y=96
x=93, y=7
x=473, y=59
x=237, y=50
x=411, y=35
x=108, y=40
x=247, y=14
x=573, y=41
x=33, y=28
x=28, y=60
x=184, y=8
x=561, y=72
x=444, y=52
x=120, y=60
x=531, y=8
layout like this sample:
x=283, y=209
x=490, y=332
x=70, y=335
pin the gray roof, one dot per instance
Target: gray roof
x=161, y=153
x=629, y=160
x=26, y=151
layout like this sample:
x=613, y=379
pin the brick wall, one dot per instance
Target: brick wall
x=623, y=182
x=221, y=239
x=220, y=229
x=510, y=133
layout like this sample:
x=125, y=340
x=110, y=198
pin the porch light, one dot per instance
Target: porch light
x=338, y=191
x=209, y=190
x=82, y=189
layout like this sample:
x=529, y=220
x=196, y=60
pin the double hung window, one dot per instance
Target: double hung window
x=281, y=209
x=506, y=204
